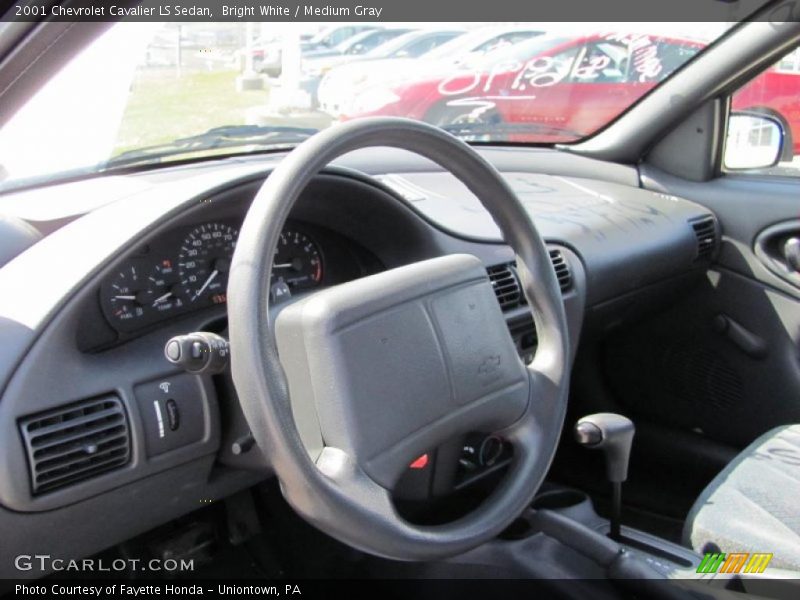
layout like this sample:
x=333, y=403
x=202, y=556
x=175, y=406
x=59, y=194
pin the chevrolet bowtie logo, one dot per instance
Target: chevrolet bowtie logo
x=489, y=365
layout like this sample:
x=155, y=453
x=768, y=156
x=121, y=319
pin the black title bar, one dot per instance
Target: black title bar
x=389, y=11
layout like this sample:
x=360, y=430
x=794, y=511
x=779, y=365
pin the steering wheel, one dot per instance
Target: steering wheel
x=343, y=389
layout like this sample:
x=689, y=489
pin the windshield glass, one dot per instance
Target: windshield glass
x=154, y=92
x=413, y=43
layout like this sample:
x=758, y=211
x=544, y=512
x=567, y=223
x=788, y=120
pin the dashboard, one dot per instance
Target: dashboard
x=93, y=329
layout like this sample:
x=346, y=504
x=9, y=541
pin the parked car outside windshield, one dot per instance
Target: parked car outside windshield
x=568, y=86
x=268, y=56
x=344, y=84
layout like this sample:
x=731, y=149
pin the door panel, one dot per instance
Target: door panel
x=722, y=363
x=742, y=328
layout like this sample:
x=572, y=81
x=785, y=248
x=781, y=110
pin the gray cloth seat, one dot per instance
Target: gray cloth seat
x=753, y=505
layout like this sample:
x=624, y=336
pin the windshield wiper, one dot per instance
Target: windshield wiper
x=229, y=136
x=496, y=131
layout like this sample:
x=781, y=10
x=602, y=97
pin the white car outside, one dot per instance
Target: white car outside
x=343, y=83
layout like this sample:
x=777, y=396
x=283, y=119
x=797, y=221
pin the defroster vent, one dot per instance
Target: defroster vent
x=76, y=442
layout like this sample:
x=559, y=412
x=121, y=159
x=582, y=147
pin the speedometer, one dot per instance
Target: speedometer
x=298, y=261
x=204, y=262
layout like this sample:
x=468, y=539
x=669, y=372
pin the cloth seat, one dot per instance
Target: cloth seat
x=753, y=505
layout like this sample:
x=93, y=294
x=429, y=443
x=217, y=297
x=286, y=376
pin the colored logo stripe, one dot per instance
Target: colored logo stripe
x=711, y=562
x=734, y=562
x=719, y=562
x=758, y=562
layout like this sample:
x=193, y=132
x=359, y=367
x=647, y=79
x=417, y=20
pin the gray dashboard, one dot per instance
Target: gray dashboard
x=388, y=208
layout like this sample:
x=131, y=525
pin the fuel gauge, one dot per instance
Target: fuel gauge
x=128, y=294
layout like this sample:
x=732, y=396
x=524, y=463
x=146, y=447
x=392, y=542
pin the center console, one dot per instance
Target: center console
x=664, y=557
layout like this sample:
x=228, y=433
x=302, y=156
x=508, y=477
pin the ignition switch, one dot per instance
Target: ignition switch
x=199, y=353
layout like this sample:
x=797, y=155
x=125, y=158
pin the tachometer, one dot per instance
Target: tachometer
x=297, y=261
x=204, y=262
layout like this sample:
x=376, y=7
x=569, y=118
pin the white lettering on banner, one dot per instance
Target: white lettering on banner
x=368, y=11
x=270, y=10
x=326, y=11
x=341, y=11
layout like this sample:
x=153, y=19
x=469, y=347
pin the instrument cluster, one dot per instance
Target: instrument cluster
x=189, y=271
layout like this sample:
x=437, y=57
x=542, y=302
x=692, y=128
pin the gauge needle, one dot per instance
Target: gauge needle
x=160, y=299
x=283, y=266
x=211, y=278
x=125, y=297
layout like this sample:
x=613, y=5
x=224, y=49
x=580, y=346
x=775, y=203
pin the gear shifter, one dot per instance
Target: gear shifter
x=613, y=434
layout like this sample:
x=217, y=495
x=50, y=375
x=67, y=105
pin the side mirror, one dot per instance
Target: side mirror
x=754, y=141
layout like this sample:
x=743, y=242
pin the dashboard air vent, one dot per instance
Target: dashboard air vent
x=76, y=442
x=705, y=229
x=561, y=267
x=507, y=287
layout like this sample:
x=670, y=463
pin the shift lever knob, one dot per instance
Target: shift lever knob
x=611, y=433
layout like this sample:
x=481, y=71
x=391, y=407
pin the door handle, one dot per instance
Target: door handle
x=778, y=249
x=791, y=253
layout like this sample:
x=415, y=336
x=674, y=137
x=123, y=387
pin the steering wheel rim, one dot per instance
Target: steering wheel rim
x=335, y=489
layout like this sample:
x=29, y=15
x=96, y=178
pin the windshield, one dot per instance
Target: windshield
x=325, y=37
x=156, y=92
x=542, y=48
x=413, y=43
x=352, y=42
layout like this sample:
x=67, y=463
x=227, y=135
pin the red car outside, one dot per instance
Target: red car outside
x=559, y=89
